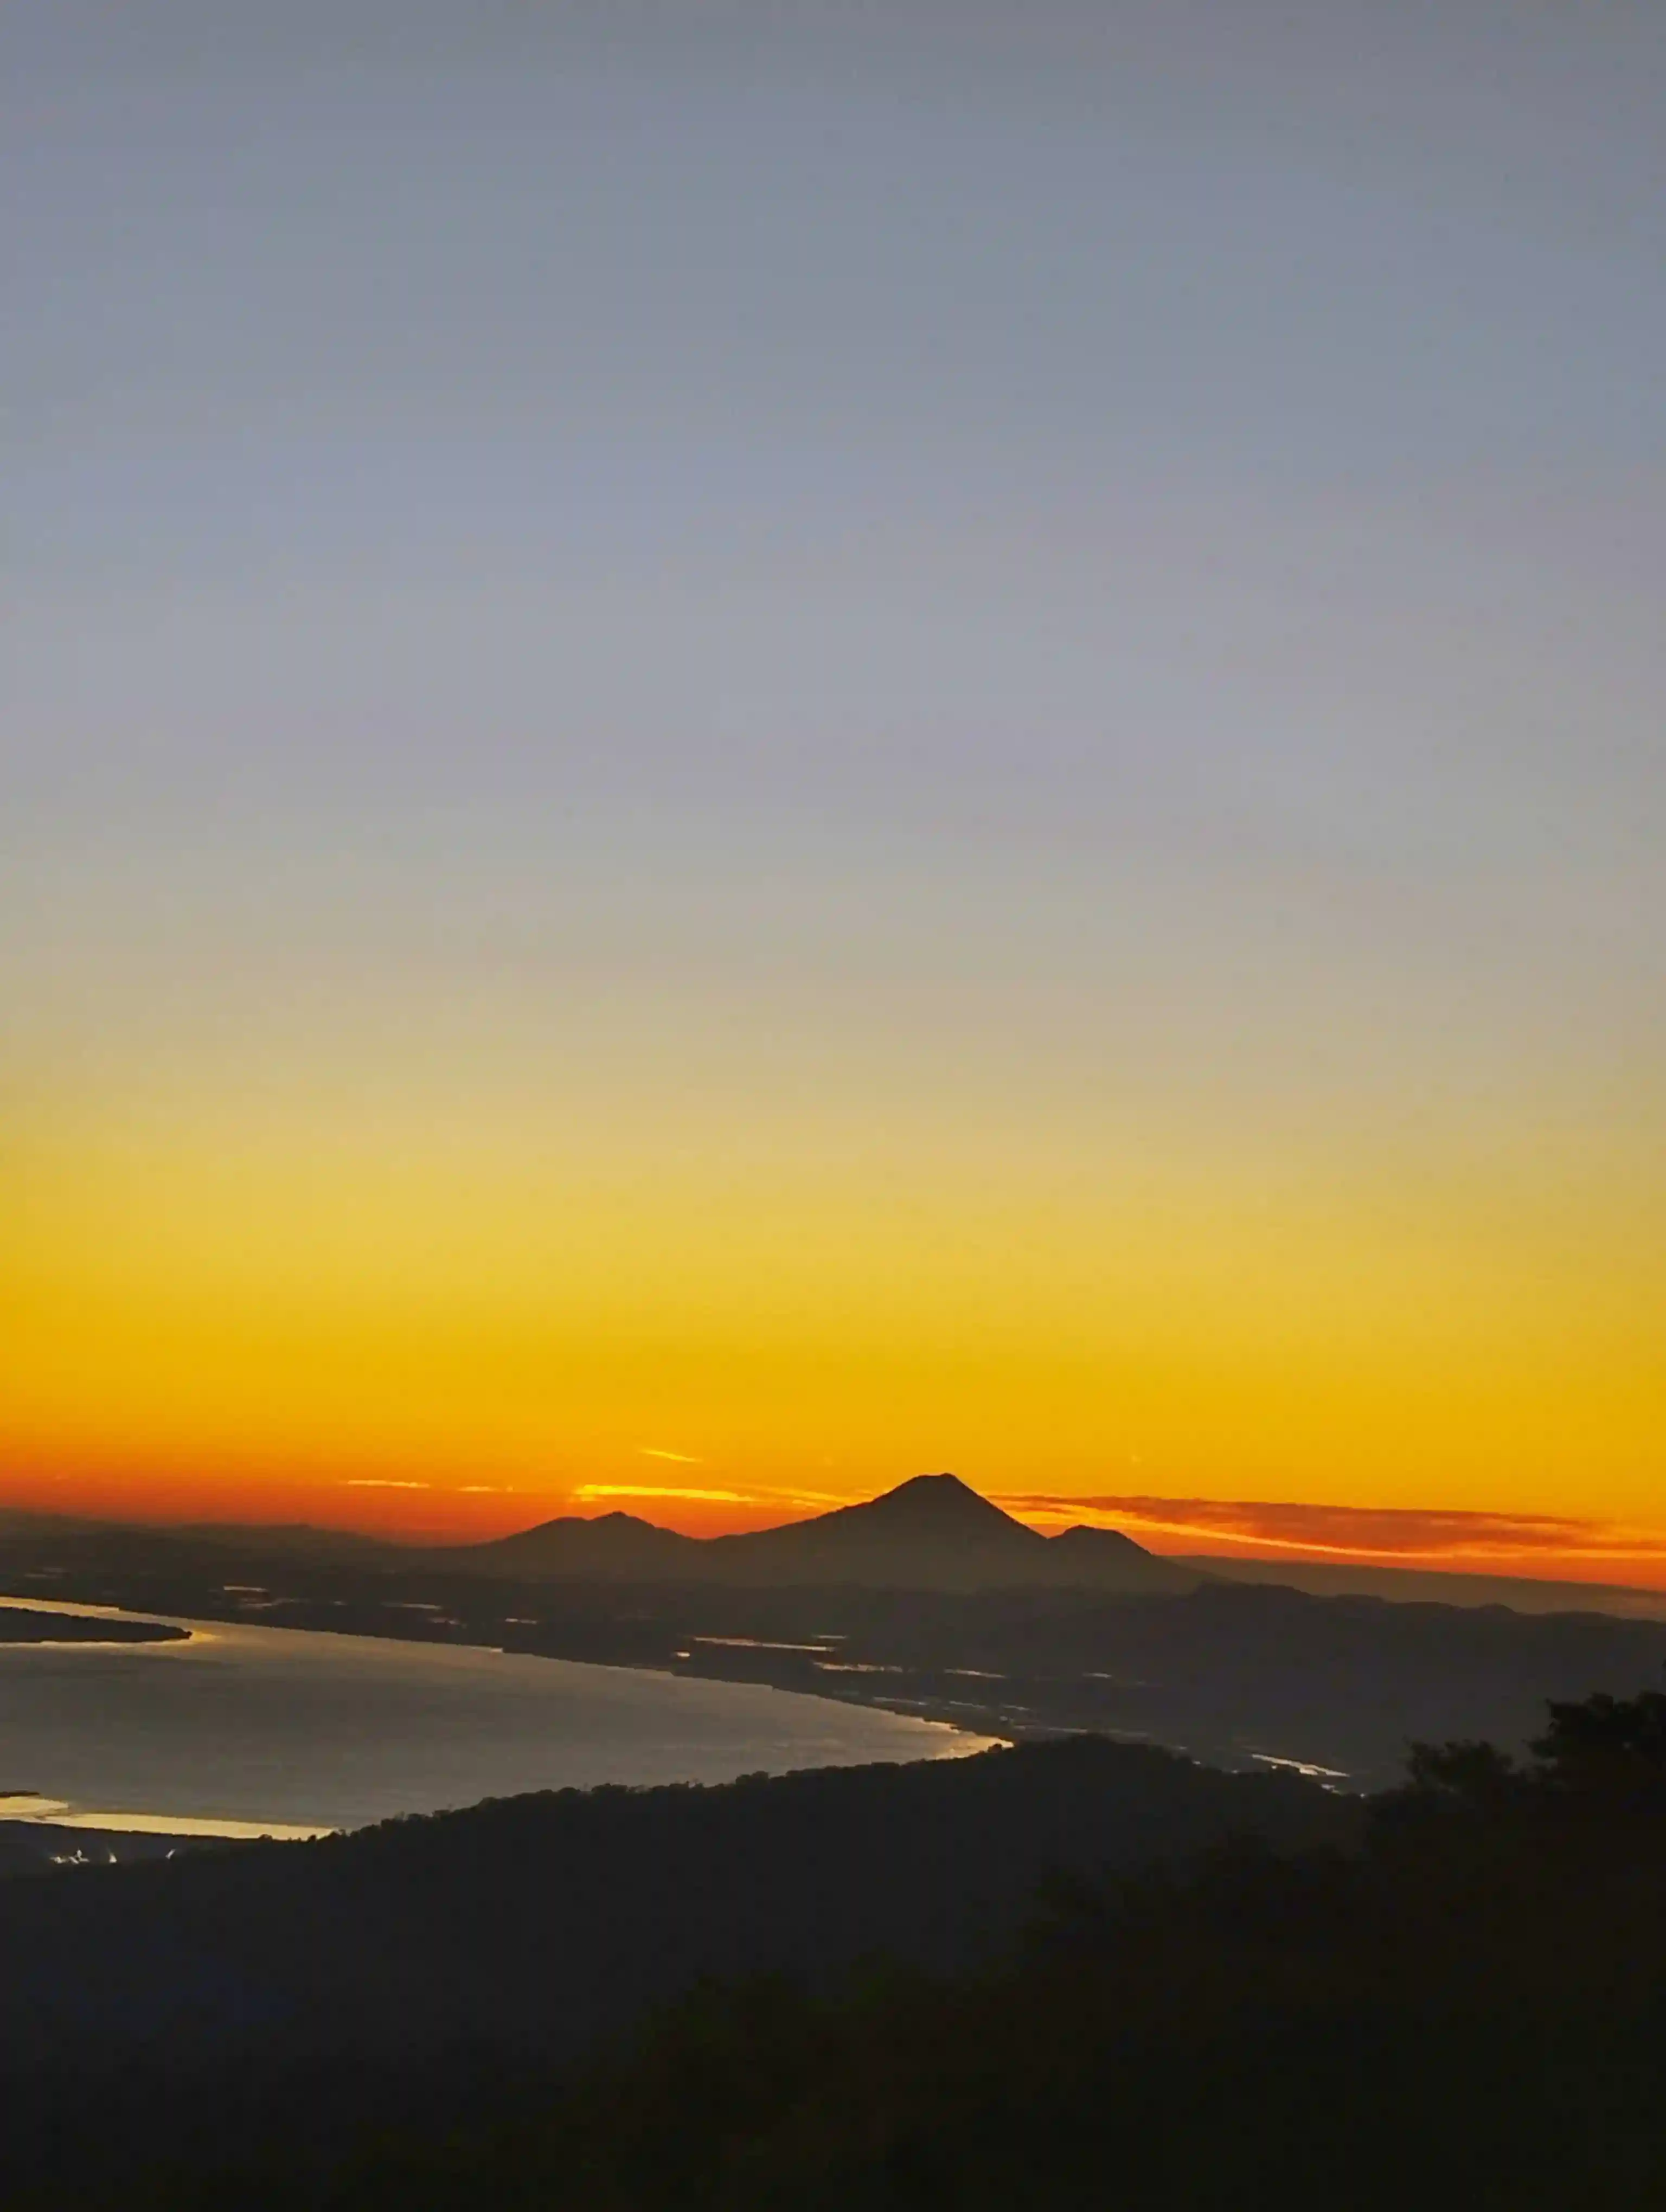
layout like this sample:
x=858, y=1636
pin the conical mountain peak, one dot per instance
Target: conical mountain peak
x=933, y=1532
x=942, y=1498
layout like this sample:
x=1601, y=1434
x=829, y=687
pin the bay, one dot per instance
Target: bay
x=243, y=1729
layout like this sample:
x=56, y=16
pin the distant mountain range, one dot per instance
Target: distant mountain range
x=933, y=1533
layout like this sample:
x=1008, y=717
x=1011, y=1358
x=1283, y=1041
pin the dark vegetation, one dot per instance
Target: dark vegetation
x=1456, y=1996
x=1469, y=2010
x=393, y=1970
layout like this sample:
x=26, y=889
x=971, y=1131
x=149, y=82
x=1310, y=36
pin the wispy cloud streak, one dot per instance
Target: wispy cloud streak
x=761, y=1502
x=1391, y=1536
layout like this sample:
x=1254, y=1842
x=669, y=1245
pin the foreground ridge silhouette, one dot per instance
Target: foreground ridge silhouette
x=1454, y=1995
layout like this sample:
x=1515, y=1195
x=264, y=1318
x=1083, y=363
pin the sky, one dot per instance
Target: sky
x=745, y=747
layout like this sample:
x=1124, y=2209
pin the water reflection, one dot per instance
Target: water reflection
x=272, y=1729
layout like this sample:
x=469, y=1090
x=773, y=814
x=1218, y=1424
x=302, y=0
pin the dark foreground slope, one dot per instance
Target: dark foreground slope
x=1467, y=2010
x=301, y=1990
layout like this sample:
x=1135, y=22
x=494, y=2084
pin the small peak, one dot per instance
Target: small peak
x=1083, y=1536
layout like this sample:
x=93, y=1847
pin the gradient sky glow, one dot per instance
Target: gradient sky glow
x=749, y=747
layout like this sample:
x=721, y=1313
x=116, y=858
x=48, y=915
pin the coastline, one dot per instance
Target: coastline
x=743, y=1660
x=82, y=1827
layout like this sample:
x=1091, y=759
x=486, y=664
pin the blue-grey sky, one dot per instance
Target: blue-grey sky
x=1104, y=562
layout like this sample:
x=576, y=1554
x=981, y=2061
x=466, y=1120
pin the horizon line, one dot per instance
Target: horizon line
x=1529, y=1548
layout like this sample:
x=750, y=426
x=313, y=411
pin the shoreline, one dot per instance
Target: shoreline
x=28, y=1813
x=959, y=1718
x=984, y=1722
x=65, y=1819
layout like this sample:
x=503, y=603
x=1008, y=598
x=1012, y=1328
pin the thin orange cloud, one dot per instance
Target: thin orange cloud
x=1383, y=1535
x=586, y=1493
x=754, y=1501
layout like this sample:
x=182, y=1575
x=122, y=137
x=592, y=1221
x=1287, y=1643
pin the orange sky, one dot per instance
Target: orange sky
x=363, y=1310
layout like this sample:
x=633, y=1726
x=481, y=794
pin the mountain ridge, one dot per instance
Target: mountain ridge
x=932, y=1532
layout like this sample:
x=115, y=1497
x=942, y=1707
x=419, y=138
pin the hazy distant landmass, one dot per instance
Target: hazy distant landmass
x=1435, y=1586
x=20, y=1626
x=934, y=1532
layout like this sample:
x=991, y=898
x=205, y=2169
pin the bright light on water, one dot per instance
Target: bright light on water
x=278, y=1731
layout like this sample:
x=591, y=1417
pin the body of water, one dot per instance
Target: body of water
x=277, y=1730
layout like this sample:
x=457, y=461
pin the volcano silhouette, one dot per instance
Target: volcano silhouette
x=934, y=1532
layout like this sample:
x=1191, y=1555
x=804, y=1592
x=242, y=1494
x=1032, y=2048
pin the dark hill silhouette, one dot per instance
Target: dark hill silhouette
x=613, y=1547
x=933, y=1533
x=1237, y=1991
x=1100, y=1556
x=1465, y=2011
x=293, y=1988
